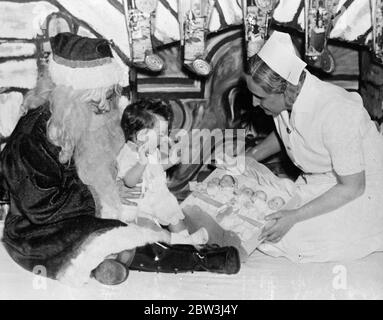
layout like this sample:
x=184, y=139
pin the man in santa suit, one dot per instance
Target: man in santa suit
x=58, y=167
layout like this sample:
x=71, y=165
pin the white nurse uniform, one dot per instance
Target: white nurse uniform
x=329, y=131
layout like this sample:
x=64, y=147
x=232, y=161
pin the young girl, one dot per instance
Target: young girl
x=145, y=125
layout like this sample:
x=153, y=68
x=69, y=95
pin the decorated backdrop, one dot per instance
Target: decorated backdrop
x=218, y=101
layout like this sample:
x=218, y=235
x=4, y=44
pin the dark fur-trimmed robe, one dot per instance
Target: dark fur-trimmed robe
x=52, y=221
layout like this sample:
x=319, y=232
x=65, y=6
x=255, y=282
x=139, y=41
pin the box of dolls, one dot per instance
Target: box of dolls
x=238, y=203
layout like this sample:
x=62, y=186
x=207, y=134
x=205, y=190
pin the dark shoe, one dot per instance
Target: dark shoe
x=220, y=260
x=185, y=258
x=110, y=272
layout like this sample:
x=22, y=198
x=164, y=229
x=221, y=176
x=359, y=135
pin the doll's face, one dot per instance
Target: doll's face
x=276, y=203
x=227, y=181
x=248, y=192
x=261, y=195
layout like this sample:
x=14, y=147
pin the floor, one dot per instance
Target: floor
x=262, y=277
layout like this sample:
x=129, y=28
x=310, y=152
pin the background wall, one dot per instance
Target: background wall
x=197, y=103
x=22, y=38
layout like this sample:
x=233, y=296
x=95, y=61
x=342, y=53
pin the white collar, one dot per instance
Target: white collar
x=306, y=98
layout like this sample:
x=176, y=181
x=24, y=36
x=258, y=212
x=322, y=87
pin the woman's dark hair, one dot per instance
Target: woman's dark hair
x=142, y=115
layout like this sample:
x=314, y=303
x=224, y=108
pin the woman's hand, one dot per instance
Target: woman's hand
x=283, y=220
x=127, y=194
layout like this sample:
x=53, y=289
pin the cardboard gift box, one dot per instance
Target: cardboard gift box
x=244, y=224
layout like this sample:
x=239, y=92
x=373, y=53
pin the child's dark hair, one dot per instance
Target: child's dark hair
x=141, y=115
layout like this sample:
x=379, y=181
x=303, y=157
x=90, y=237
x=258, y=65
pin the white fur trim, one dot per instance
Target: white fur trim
x=110, y=242
x=125, y=214
x=86, y=78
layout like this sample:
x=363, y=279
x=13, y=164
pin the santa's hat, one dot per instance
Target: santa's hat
x=82, y=63
x=279, y=54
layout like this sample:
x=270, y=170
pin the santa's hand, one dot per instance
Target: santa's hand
x=127, y=194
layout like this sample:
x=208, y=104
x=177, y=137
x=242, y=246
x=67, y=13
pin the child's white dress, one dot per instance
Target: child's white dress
x=157, y=201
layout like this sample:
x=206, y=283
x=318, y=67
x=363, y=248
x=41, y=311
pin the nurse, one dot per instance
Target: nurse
x=329, y=135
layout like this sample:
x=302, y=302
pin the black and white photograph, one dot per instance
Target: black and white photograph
x=191, y=154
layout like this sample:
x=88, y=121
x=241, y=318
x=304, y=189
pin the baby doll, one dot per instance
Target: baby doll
x=228, y=185
x=276, y=203
x=248, y=192
x=261, y=195
x=223, y=189
x=145, y=124
x=243, y=197
x=227, y=181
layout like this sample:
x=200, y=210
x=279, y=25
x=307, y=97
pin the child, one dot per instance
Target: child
x=145, y=126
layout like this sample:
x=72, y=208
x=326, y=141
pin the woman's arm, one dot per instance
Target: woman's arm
x=341, y=137
x=268, y=147
x=346, y=190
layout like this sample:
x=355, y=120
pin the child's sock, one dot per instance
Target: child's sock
x=201, y=236
x=182, y=237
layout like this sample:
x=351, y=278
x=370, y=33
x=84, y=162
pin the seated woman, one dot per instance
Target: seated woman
x=329, y=135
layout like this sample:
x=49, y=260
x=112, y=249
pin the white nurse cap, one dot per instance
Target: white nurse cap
x=279, y=54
